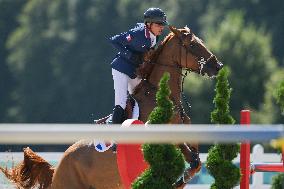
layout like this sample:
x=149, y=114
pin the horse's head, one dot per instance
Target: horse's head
x=194, y=55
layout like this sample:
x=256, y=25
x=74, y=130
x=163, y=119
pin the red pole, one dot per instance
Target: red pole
x=268, y=167
x=282, y=147
x=245, y=153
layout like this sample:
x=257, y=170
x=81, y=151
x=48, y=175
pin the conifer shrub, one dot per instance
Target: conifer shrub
x=278, y=180
x=219, y=161
x=165, y=160
x=280, y=96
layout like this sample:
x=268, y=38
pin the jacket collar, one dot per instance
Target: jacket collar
x=147, y=32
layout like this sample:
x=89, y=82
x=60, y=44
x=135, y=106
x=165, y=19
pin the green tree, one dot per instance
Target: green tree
x=221, y=115
x=166, y=161
x=219, y=161
x=56, y=57
x=278, y=180
x=246, y=50
x=280, y=96
x=270, y=111
x=9, y=10
x=60, y=56
x=267, y=14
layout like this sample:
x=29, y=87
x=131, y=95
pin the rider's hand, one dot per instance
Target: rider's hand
x=136, y=58
x=148, y=56
x=144, y=70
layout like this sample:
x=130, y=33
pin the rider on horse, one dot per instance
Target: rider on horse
x=131, y=46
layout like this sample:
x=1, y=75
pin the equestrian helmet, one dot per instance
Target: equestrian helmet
x=155, y=15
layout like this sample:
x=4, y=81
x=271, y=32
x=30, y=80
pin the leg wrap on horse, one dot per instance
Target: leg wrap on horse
x=195, y=163
x=195, y=160
x=192, y=158
x=118, y=115
x=189, y=152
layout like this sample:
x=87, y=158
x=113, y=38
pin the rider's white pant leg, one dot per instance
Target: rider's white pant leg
x=120, y=84
x=132, y=84
x=135, y=113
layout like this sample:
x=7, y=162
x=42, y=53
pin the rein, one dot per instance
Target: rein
x=178, y=66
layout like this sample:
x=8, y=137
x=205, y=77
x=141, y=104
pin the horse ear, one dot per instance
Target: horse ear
x=189, y=32
x=187, y=29
x=175, y=31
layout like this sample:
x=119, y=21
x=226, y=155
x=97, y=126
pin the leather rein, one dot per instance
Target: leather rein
x=178, y=66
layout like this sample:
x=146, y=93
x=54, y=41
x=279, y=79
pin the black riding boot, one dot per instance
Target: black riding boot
x=118, y=115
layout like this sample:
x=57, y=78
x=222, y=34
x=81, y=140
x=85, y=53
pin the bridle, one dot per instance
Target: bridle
x=179, y=64
x=179, y=67
x=188, y=49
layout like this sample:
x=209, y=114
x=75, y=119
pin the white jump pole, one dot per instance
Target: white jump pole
x=70, y=133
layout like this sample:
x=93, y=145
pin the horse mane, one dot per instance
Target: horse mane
x=145, y=70
x=161, y=46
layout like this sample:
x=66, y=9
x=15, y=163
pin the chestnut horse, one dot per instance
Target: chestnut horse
x=82, y=166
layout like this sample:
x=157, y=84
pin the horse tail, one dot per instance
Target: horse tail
x=32, y=171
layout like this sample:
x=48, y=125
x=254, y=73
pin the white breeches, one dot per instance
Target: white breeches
x=123, y=83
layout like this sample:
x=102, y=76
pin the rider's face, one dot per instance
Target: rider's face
x=156, y=29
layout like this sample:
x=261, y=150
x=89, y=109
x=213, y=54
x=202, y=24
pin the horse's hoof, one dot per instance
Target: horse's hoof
x=179, y=183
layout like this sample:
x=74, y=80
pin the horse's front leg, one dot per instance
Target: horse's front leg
x=191, y=156
x=187, y=149
x=190, y=151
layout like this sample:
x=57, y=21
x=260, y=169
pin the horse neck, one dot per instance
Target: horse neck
x=165, y=63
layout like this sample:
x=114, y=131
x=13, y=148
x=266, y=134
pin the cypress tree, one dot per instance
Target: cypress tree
x=278, y=180
x=219, y=160
x=165, y=160
x=280, y=96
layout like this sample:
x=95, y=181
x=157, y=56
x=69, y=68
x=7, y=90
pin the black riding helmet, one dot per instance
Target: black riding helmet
x=155, y=15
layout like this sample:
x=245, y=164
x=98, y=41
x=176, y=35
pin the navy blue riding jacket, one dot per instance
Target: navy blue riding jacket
x=136, y=41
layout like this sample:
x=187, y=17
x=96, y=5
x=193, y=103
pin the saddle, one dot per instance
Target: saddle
x=143, y=71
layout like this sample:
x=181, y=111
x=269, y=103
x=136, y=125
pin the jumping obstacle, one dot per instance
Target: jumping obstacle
x=130, y=159
x=246, y=167
x=203, y=134
x=175, y=133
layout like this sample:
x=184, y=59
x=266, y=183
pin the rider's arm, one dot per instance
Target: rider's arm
x=123, y=43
